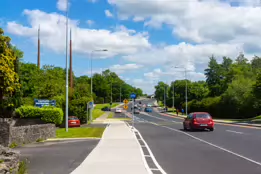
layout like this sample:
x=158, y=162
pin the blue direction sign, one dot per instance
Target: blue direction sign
x=133, y=96
x=40, y=103
x=90, y=104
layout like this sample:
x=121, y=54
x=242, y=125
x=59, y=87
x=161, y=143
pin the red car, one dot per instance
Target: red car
x=198, y=120
x=73, y=121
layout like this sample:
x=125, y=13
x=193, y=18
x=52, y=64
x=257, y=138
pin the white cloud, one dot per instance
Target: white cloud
x=207, y=21
x=108, y=13
x=146, y=85
x=90, y=22
x=125, y=67
x=120, y=42
x=62, y=5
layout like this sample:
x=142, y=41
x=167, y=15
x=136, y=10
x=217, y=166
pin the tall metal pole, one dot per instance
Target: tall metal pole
x=38, y=53
x=67, y=72
x=120, y=93
x=186, y=91
x=173, y=95
x=164, y=97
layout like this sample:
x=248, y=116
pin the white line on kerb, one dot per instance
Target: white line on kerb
x=235, y=132
x=221, y=148
x=151, y=154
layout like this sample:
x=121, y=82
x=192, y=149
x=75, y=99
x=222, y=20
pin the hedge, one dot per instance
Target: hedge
x=47, y=114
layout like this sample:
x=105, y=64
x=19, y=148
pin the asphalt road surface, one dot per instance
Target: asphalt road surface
x=56, y=157
x=229, y=149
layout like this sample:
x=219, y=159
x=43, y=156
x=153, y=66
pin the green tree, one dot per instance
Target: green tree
x=9, y=79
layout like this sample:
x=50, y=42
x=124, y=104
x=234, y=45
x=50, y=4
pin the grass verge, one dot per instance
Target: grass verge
x=111, y=115
x=97, y=113
x=81, y=132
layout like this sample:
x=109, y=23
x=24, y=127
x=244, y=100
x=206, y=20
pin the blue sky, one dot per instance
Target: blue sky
x=145, y=39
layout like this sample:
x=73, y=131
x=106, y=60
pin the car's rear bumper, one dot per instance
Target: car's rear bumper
x=202, y=127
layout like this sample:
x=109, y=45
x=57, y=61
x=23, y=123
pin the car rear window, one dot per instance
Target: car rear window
x=73, y=118
x=203, y=116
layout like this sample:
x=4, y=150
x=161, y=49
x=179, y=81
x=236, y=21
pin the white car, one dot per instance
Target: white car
x=118, y=110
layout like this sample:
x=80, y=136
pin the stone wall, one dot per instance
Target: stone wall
x=28, y=134
x=9, y=160
x=19, y=135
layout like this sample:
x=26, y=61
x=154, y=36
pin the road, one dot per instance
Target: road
x=60, y=157
x=227, y=150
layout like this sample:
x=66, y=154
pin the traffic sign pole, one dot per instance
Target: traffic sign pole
x=132, y=113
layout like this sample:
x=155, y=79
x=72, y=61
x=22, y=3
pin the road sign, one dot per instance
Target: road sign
x=133, y=96
x=125, y=101
x=125, y=107
x=40, y=103
x=91, y=104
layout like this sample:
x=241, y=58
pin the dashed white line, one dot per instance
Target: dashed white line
x=216, y=146
x=234, y=132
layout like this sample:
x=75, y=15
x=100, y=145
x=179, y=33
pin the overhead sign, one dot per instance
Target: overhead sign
x=40, y=103
x=125, y=107
x=133, y=96
x=125, y=101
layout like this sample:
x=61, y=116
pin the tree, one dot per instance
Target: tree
x=213, y=75
x=9, y=79
x=256, y=64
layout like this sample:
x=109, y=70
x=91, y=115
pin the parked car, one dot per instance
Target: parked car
x=198, y=120
x=118, y=110
x=148, y=109
x=73, y=121
x=106, y=108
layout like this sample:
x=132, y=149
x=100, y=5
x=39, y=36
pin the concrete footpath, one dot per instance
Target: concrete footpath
x=118, y=152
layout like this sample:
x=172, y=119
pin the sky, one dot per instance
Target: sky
x=146, y=40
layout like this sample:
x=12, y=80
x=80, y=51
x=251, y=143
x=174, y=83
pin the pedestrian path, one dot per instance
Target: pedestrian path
x=118, y=152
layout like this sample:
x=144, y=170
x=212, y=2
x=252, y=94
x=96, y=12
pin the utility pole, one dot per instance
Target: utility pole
x=71, y=74
x=120, y=93
x=67, y=73
x=173, y=95
x=185, y=68
x=38, y=53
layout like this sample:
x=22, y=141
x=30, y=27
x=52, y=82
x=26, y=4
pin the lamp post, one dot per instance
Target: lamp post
x=91, y=56
x=186, y=90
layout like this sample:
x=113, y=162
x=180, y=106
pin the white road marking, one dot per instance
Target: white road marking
x=235, y=132
x=216, y=146
x=151, y=154
x=162, y=118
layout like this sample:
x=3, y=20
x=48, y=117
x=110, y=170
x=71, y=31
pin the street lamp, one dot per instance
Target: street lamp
x=186, y=90
x=102, y=50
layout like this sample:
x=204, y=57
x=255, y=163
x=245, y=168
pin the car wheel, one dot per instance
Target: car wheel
x=184, y=127
x=211, y=129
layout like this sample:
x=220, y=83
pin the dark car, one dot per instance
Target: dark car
x=106, y=109
x=148, y=109
x=198, y=120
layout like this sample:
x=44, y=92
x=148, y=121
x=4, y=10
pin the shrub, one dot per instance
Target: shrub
x=48, y=114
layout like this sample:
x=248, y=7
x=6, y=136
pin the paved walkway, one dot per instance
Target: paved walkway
x=118, y=152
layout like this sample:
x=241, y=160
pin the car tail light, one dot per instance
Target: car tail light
x=195, y=121
x=210, y=122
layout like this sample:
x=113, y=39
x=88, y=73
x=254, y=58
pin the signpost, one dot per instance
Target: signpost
x=133, y=96
x=91, y=107
x=41, y=103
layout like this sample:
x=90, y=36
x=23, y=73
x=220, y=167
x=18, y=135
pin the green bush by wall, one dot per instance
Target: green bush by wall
x=48, y=114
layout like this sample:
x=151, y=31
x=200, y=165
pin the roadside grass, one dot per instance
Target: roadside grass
x=254, y=119
x=81, y=132
x=111, y=115
x=97, y=112
x=22, y=167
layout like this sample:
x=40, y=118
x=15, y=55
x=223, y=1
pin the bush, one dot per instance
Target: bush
x=78, y=107
x=48, y=114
